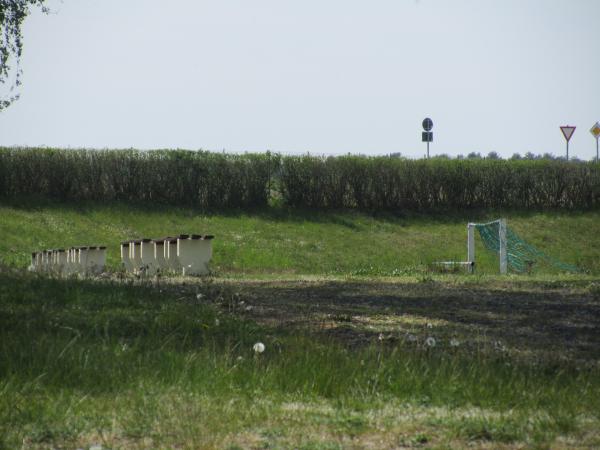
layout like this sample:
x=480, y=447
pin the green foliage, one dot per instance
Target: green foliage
x=177, y=177
x=12, y=14
x=375, y=183
x=211, y=180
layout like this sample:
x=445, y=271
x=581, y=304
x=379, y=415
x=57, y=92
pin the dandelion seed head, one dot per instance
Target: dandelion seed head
x=454, y=342
x=199, y=296
x=429, y=325
x=498, y=345
x=430, y=342
x=380, y=337
x=259, y=347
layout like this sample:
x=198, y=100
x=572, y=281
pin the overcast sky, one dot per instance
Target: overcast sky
x=326, y=76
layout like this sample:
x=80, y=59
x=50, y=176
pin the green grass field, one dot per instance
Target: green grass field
x=279, y=241
x=347, y=364
x=364, y=347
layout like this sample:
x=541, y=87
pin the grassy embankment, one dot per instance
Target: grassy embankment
x=281, y=241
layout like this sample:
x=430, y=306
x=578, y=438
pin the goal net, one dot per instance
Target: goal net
x=514, y=253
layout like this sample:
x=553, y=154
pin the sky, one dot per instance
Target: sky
x=325, y=77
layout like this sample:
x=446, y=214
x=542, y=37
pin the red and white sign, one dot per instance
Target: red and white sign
x=595, y=130
x=567, y=131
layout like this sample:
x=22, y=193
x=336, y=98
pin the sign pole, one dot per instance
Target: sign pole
x=567, y=150
x=427, y=135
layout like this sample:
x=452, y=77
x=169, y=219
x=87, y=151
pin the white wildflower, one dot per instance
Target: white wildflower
x=259, y=347
x=217, y=322
x=498, y=345
x=249, y=308
x=430, y=342
x=380, y=337
x=199, y=296
x=429, y=325
x=454, y=342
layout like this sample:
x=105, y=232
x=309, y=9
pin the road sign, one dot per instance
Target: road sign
x=567, y=131
x=427, y=124
x=427, y=135
x=595, y=130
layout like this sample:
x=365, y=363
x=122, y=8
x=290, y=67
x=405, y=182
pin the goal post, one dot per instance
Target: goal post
x=502, y=244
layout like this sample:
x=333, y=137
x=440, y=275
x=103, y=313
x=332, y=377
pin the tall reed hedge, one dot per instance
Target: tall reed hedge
x=215, y=180
x=164, y=176
x=399, y=184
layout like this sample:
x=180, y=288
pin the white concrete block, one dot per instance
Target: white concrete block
x=147, y=256
x=194, y=253
x=82, y=259
x=127, y=264
x=162, y=265
x=59, y=261
x=96, y=260
x=73, y=265
x=135, y=255
x=170, y=253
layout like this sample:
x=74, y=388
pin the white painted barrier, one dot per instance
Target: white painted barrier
x=45, y=260
x=127, y=264
x=194, y=253
x=170, y=254
x=38, y=260
x=135, y=255
x=60, y=261
x=33, y=266
x=147, y=256
x=162, y=265
x=82, y=259
x=96, y=260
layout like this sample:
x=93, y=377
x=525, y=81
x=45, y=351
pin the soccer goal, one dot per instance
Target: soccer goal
x=495, y=231
x=513, y=252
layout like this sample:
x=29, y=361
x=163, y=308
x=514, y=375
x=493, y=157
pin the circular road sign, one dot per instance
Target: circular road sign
x=427, y=124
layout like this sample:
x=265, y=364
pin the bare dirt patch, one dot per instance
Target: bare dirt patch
x=561, y=321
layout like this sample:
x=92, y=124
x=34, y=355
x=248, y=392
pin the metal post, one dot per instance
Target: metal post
x=471, y=246
x=567, y=150
x=596, y=149
x=427, y=149
x=502, y=244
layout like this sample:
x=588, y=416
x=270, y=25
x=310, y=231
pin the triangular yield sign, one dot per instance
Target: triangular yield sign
x=567, y=131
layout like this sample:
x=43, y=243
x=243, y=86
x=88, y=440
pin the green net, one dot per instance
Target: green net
x=522, y=257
